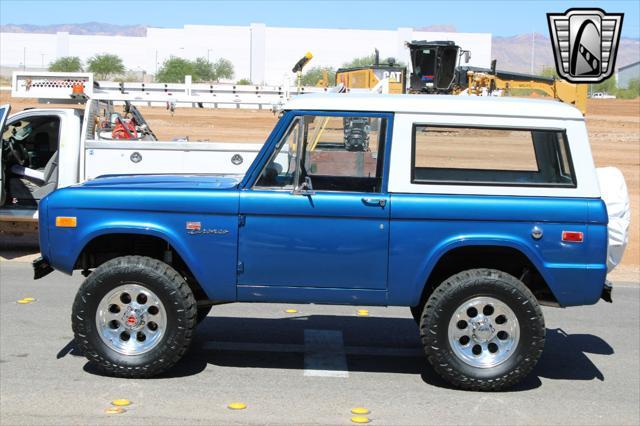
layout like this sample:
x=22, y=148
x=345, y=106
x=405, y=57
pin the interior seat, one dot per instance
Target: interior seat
x=30, y=189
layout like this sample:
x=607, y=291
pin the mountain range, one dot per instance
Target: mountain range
x=512, y=53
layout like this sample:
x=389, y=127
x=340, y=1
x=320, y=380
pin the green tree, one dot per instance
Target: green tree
x=362, y=61
x=549, y=72
x=66, y=64
x=223, y=68
x=173, y=70
x=607, y=86
x=203, y=70
x=243, y=82
x=315, y=74
x=104, y=66
x=130, y=76
x=365, y=61
x=631, y=92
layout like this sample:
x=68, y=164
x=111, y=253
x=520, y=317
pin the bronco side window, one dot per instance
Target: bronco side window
x=337, y=153
x=343, y=153
x=490, y=156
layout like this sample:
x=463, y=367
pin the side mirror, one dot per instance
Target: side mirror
x=305, y=188
x=467, y=56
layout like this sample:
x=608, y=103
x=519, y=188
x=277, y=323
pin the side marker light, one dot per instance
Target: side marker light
x=572, y=236
x=66, y=221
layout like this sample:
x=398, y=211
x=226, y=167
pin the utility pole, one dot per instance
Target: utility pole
x=42, y=55
x=533, y=49
x=24, y=58
x=208, y=57
x=156, y=74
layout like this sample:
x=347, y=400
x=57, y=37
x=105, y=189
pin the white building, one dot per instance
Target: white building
x=625, y=74
x=259, y=53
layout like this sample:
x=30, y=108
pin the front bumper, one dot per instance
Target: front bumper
x=606, y=292
x=41, y=268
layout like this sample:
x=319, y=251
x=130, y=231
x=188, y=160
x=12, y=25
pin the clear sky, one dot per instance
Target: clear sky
x=499, y=17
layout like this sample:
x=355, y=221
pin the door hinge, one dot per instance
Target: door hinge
x=240, y=267
x=242, y=220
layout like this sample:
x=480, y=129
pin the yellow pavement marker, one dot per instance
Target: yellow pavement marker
x=360, y=419
x=237, y=406
x=362, y=312
x=26, y=300
x=360, y=410
x=291, y=311
x=115, y=410
x=120, y=402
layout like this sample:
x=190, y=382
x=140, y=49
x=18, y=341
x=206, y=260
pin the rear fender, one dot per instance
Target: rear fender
x=433, y=257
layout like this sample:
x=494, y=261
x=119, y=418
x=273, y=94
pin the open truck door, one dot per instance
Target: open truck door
x=4, y=113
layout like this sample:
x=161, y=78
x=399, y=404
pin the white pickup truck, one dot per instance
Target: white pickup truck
x=49, y=148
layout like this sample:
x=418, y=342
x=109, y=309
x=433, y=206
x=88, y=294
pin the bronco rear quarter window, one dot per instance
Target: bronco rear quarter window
x=490, y=156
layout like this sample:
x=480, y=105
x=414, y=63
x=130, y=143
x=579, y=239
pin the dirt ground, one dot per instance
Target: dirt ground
x=613, y=125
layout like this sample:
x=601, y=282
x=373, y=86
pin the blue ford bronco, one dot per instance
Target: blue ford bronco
x=472, y=212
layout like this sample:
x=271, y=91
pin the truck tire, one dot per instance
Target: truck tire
x=482, y=330
x=134, y=317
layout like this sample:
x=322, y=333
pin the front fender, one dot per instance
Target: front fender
x=199, y=252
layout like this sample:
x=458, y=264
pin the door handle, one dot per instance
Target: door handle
x=375, y=201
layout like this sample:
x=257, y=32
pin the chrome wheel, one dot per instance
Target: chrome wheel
x=131, y=319
x=483, y=332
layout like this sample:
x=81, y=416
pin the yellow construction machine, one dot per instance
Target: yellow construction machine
x=368, y=77
x=482, y=82
x=436, y=69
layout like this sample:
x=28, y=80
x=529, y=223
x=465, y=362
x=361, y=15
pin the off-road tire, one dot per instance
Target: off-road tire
x=175, y=295
x=452, y=293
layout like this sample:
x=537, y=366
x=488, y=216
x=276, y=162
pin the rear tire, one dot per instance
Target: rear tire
x=482, y=330
x=134, y=317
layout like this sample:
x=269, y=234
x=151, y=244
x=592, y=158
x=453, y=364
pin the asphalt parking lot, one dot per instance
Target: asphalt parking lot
x=266, y=358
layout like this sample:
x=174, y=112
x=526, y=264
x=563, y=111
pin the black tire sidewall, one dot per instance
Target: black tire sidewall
x=504, y=288
x=101, y=282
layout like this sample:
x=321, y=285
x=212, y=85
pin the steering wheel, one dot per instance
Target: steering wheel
x=18, y=151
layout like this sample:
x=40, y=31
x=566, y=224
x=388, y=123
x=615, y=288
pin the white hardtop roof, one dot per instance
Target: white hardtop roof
x=437, y=104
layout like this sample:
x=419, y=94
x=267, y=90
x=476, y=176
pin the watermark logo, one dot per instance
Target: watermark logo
x=585, y=43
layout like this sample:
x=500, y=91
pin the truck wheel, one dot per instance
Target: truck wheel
x=482, y=329
x=203, y=311
x=134, y=317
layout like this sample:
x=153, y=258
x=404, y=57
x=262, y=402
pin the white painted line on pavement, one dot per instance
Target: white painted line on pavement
x=324, y=354
x=297, y=348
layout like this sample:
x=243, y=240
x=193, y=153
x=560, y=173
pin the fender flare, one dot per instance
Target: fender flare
x=150, y=229
x=440, y=250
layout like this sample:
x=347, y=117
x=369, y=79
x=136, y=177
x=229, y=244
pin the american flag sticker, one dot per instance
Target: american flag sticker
x=194, y=226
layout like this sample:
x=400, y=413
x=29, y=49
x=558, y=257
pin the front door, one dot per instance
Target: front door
x=317, y=217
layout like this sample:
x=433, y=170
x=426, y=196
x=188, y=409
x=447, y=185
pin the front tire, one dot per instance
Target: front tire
x=134, y=317
x=482, y=329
